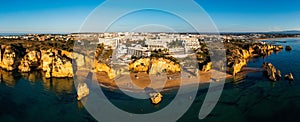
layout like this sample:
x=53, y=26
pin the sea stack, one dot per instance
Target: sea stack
x=155, y=97
x=289, y=77
x=82, y=91
x=270, y=71
x=288, y=48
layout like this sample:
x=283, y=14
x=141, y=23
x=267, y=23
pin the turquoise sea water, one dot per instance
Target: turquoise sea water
x=29, y=97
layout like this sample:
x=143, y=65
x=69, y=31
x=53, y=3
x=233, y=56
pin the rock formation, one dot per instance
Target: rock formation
x=140, y=65
x=289, y=76
x=82, y=91
x=154, y=66
x=237, y=60
x=270, y=71
x=9, y=58
x=54, y=64
x=161, y=65
x=238, y=54
x=31, y=61
x=207, y=67
x=155, y=97
x=101, y=67
x=278, y=74
x=60, y=67
x=288, y=48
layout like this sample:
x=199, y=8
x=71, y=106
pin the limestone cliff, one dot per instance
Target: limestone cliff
x=9, y=59
x=237, y=56
x=101, y=67
x=31, y=61
x=58, y=65
x=237, y=60
x=140, y=65
x=207, y=67
x=154, y=65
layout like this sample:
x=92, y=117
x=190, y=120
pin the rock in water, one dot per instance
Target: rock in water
x=82, y=91
x=278, y=73
x=57, y=65
x=271, y=71
x=288, y=48
x=289, y=77
x=155, y=97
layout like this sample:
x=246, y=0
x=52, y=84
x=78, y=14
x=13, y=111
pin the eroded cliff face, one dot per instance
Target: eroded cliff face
x=163, y=65
x=101, y=67
x=237, y=57
x=57, y=65
x=237, y=60
x=53, y=62
x=9, y=59
x=31, y=61
x=207, y=67
x=140, y=65
x=154, y=66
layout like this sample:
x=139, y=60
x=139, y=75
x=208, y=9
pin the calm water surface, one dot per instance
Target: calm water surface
x=30, y=97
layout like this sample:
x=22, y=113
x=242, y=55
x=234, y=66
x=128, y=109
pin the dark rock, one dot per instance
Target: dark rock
x=288, y=48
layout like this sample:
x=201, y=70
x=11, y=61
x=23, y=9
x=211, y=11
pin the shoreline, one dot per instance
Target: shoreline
x=262, y=39
x=134, y=85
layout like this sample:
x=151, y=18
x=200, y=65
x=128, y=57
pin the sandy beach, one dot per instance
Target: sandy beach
x=138, y=81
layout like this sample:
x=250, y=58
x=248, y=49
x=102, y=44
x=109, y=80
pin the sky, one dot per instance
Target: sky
x=58, y=16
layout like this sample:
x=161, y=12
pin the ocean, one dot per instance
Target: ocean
x=29, y=97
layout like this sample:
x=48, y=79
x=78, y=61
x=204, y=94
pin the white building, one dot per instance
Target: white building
x=138, y=51
x=113, y=42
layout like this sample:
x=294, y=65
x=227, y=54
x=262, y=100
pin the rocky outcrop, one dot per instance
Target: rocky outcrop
x=288, y=48
x=278, y=47
x=47, y=58
x=155, y=97
x=9, y=58
x=82, y=91
x=154, y=66
x=60, y=67
x=140, y=65
x=278, y=73
x=207, y=67
x=289, y=77
x=161, y=65
x=101, y=67
x=270, y=71
x=238, y=55
x=237, y=60
x=238, y=65
x=31, y=61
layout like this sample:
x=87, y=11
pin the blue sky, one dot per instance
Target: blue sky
x=68, y=15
